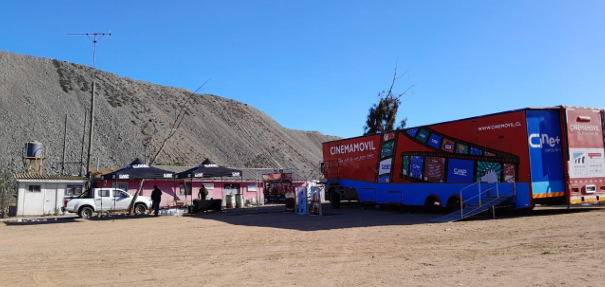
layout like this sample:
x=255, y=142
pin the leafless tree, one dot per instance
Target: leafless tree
x=381, y=116
x=148, y=140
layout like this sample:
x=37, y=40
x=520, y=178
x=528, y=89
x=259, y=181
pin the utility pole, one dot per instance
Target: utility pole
x=83, y=138
x=64, y=145
x=95, y=37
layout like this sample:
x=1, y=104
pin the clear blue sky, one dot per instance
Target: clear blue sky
x=318, y=65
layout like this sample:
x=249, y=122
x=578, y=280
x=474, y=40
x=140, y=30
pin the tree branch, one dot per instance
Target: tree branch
x=176, y=124
x=173, y=129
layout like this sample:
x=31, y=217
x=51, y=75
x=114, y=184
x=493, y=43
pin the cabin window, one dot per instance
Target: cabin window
x=252, y=187
x=34, y=188
x=73, y=190
x=185, y=189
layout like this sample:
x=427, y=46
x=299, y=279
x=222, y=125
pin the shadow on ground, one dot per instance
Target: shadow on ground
x=351, y=215
x=71, y=219
x=42, y=221
x=538, y=211
x=119, y=217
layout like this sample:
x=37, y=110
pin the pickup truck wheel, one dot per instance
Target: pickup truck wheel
x=85, y=212
x=140, y=209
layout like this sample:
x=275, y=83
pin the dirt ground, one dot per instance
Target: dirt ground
x=346, y=247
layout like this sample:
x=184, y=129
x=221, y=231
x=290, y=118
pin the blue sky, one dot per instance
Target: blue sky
x=318, y=65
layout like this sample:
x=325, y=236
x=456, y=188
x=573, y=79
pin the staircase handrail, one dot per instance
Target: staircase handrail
x=480, y=193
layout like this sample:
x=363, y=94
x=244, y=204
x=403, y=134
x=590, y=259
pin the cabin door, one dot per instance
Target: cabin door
x=50, y=199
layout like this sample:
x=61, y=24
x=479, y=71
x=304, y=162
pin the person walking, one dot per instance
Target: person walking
x=156, y=197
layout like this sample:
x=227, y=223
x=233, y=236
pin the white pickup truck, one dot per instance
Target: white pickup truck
x=104, y=200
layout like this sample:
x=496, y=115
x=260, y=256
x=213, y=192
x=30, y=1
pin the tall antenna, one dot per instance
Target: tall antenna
x=95, y=37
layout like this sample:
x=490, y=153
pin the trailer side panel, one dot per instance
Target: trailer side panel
x=586, y=160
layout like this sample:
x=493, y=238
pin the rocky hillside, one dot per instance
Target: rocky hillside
x=132, y=118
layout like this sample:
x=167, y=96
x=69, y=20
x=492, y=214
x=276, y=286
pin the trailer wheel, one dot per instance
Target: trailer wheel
x=453, y=204
x=431, y=204
x=85, y=212
x=335, y=199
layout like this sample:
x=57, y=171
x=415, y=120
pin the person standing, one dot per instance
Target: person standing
x=203, y=193
x=156, y=197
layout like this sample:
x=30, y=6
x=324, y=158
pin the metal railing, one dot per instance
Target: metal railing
x=488, y=178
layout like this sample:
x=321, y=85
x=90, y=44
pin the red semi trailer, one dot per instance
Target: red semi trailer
x=533, y=156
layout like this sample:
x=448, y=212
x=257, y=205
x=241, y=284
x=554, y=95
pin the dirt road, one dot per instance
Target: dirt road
x=347, y=247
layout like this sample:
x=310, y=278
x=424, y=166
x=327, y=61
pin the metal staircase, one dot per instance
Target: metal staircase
x=481, y=202
x=473, y=209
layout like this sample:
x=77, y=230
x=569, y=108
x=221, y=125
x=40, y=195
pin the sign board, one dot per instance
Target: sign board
x=301, y=200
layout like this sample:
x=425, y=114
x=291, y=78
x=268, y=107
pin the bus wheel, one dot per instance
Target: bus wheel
x=335, y=199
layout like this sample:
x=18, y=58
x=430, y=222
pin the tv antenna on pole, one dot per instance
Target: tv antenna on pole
x=95, y=37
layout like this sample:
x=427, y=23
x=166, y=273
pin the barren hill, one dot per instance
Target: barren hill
x=36, y=94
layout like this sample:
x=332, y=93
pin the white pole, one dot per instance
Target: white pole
x=43, y=200
x=479, y=186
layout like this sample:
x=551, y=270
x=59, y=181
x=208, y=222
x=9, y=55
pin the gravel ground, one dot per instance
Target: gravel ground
x=36, y=94
x=269, y=247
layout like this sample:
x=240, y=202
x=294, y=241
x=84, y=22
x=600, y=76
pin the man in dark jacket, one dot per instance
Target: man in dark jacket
x=156, y=197
x=203, y=193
